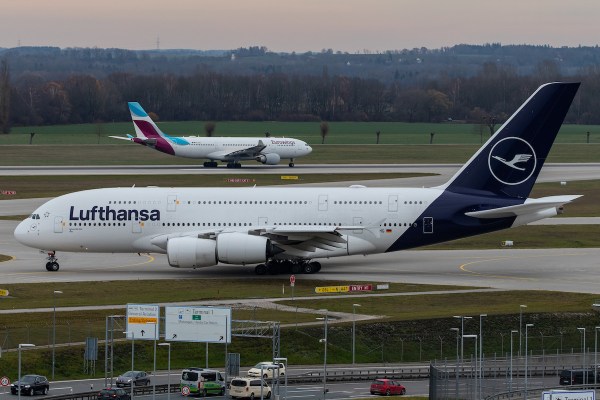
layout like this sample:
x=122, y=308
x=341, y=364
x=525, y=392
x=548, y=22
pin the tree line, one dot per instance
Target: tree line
x=487, y=97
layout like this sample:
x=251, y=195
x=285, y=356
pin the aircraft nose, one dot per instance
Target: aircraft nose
x=308, y=149
x=25, y=232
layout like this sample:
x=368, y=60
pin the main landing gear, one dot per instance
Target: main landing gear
x=210, y=164
x=275, y=267
x=234, y=165
x=52, y=264
x=291, y=164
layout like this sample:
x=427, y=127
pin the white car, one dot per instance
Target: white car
x=249, y=388
x=267, y=370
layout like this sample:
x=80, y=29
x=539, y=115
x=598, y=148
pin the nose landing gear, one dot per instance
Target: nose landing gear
x=52, y=264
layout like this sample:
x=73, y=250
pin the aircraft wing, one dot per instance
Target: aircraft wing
x=295, y=240
x=247, y=153
x=529, y=207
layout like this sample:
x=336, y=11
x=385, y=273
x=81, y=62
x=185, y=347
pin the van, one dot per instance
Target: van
x=200, y=381
x=249, y=388
x=576, y=376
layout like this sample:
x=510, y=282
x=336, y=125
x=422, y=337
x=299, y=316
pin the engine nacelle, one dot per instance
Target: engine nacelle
x=269, y=159
x=190, y=252
x=240, y=248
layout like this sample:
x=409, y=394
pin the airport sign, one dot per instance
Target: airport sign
x=198, y=324
x=143, y=321
x=4, y=292
x=343, y=288
x=569, y=395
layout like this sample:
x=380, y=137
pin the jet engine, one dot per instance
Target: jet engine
x=228, y=248
x=269, y=159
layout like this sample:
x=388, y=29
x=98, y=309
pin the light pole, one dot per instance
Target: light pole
x=521, y=307
x=596, y=354
x=456, y=366
x=462, y=331
x=354, y=331
x=169, y=368
x=128, y=333
x=476, y=386
x=324, y=341
x=54, y=328
x=582, y=330
x=285, y=364
x=526, y=370
x=21, y=346
x=481, y=316
x=154, y=370
x=511, y=360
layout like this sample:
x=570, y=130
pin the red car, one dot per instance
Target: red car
x=387, y=387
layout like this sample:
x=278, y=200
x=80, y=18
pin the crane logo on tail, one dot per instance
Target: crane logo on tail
x=512, y=161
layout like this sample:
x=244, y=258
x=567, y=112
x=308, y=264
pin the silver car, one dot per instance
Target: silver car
x=139, y=378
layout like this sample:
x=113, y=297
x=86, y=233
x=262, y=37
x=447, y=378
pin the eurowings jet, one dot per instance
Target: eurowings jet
x=226, y=149
x=289, y=228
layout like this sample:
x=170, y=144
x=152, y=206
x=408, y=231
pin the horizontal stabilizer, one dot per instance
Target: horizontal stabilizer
x=121, y=137
x=528, y=207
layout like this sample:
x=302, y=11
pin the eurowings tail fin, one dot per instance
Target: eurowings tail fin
x=508, y=164
x=145, y=128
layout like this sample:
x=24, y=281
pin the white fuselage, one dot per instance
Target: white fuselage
x=218, y=148
x=123, y=220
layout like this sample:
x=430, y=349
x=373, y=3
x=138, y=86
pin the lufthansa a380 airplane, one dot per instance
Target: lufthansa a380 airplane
x=226, y=149
x=288, y=228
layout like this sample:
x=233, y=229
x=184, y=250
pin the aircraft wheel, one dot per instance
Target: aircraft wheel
x=54, y=266
x=207, y=164
x=291, y=164
x=237, y=165
x=260, y=269
x=296, y=268
x=316, y=265
x=273, y=268
x=229, y=165
x=308, y=268
x=48, y=266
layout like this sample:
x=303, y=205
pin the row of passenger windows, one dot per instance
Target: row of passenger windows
x=148, y=202
x=228, y=224
x=250, y=202
x=97, y=224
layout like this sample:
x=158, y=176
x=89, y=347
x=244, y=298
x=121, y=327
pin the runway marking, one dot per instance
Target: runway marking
x=149, y=260
x=463, y=267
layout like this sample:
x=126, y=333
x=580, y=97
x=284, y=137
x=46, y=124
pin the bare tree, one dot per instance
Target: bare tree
x=324, y=131
x=4, y=97
x=209, y=128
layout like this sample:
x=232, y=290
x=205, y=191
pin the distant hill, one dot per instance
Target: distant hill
x=407, y=65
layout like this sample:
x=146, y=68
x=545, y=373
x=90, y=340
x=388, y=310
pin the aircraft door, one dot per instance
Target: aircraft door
x=393, y=203
x=323, y=200
x=58, y=224
x=427, y=224
x=136, y=226
x=172, y=202
x=357, y=221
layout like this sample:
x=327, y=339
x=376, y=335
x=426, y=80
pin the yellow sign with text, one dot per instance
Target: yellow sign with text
x=3, y=293
x=332, y=289
x=290, y=177
x=142, y=320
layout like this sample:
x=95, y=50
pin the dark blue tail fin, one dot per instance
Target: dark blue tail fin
x=509, y=162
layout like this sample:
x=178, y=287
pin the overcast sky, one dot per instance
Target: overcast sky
x=297, y=25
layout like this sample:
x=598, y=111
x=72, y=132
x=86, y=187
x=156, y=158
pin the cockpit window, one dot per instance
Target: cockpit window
x=35, y=216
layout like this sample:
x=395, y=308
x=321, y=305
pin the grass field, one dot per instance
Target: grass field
x=339, y=132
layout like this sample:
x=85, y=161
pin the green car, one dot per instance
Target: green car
x=200, y=381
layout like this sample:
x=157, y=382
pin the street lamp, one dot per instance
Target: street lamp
x=354, y=330
x=462, y=331
x=521, y=307
x=285, y=364
x=324, y=341
x=481, y=316
x=154, y=370
x=596, y=354
x=511, y=360
x=582, y=330
x=474, y=337
x=526, y=370
x=132, y=334
x=456, y=366
x=54, y=328
x=21, y=346
x=169, y=368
